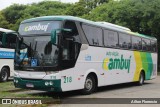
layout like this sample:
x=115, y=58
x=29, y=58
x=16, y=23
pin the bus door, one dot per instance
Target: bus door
x=70, y=48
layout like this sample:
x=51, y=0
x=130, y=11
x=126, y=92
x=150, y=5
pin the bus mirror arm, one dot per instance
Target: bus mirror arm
x=54, y=37
x=56, y=33
x=69, y=39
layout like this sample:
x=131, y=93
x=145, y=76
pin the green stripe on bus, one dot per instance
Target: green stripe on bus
x=147, y=64
x=144, y=63
x=150, y=66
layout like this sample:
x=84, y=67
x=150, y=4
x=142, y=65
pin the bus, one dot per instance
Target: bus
x=64, y=53
x=7, y=47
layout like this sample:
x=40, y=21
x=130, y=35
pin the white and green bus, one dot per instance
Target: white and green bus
x=7, y=47
x=64, y=53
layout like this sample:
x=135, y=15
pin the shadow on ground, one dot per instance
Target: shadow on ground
x=63, y=95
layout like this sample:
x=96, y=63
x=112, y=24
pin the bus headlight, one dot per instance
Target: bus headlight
x=16, y=81
x=51, y=83
x=46, y=83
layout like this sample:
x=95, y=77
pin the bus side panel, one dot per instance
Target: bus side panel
x=119, y=66
x=6, y=59
x=112, y=66
x=139, y=67
x=154, y=70
x=87, y=62
x=147, y=62
x=105, y=62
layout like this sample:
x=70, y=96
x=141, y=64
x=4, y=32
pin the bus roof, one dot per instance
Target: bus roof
x=108, y=26
x=6, y=30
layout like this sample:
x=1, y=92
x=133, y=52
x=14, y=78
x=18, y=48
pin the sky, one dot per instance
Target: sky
x=6, y=3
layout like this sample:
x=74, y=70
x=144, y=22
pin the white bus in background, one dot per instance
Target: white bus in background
x=7, y=47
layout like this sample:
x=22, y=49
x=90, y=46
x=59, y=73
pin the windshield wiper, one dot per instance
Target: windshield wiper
x=25, y=54
x=34, y=51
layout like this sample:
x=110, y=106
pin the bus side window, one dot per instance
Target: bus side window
x=124, y=41
x=110, y=38
x=153, y=46
x=1, y=35
x=69, y=47
x=11, y=41
x=136, y=43
x=146, y=44
x=71, y=25
x=93, y=34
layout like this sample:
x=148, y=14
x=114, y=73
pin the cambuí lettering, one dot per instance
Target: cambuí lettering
x=37, y=27
x=117, y=63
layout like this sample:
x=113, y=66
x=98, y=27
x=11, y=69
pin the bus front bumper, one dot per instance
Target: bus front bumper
x=40, y=84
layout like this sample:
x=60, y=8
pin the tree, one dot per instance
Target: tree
x=91, y=4
x=3, y=21
x=14, y=14
x=77, y=9
x=140, y=16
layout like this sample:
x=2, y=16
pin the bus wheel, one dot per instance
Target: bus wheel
x=141, y=78
x=4, y=74
x=90, y=85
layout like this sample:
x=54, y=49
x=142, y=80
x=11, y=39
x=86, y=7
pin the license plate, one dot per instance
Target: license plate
x=29, y=85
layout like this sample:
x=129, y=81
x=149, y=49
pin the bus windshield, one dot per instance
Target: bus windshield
x=36, y=52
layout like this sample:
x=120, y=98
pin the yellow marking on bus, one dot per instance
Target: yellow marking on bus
x=138, y=65
x=105, y=65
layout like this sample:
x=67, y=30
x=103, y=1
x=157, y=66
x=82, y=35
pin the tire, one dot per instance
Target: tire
x=141, y=79
x=90, y=85
x=4, y=74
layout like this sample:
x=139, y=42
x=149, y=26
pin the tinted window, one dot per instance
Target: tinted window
x=124, y=41
x=1, y=35
x=93, y=34
x=74, y=33
x=71, y=25
x=110, y=38
x=146, y=44
x=11, y=41
x=153, y=46
x=136, y=43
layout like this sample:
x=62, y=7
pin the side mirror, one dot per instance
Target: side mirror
x=4, y=39
x=20, y=42
x=67, y=30
x=55, y=33
x=54, y=36
x=67, y=33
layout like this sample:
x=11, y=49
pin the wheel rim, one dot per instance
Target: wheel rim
x=141, y=79
x=4, y=75
x=88, y=84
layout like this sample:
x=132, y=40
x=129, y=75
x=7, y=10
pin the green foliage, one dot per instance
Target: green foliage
x=3, y=21
x=91, y=4
x=139, y=15
x=13, y=15
x=78, y=9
